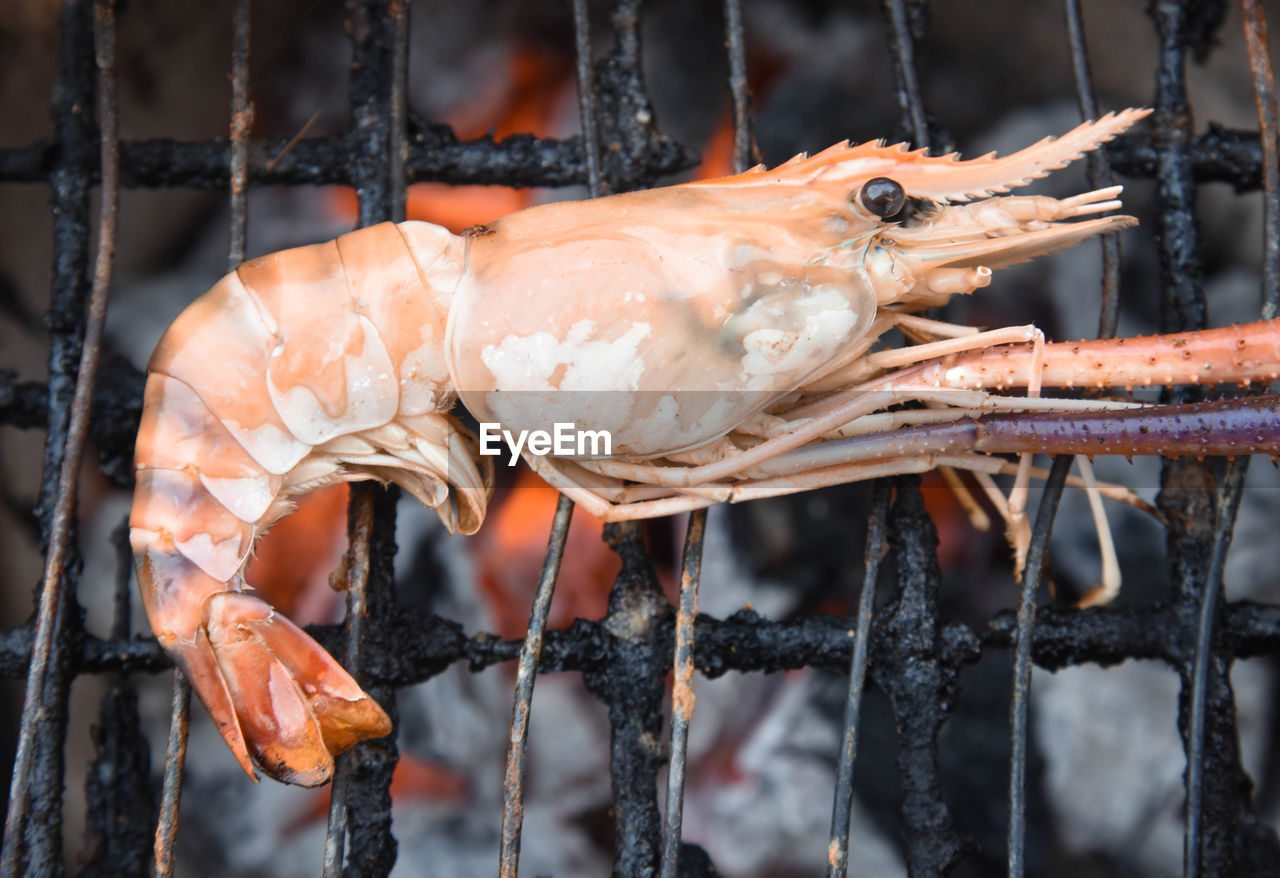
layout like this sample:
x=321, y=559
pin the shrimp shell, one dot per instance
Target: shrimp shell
x=702, y=325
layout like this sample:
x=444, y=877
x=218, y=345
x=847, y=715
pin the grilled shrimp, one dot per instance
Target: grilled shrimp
x=701, y=325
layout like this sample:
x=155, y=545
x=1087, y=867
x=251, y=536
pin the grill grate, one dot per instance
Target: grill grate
x=912, y=654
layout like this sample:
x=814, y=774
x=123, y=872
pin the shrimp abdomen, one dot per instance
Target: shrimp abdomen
x=291, y=372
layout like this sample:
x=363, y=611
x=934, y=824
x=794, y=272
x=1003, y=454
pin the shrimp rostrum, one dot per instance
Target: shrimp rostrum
x=721, y=332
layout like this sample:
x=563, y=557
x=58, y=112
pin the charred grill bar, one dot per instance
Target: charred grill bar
x=33, y=824
x=915, y=655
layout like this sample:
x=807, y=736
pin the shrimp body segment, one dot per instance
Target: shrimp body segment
x=700, y=325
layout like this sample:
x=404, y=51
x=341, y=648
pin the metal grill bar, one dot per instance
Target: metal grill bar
x=1228, y=506
x=902, y=20
x=629, y=679
x=842, y=808
x=175, y=755
x=241, y=125
x=434, y=155
x=587, y=98
x=1178, y=233
x=742, y=642
x=1100, y=175
x=34, y=818
x=1186, y=485
x=745, y=151
x=117, y=788
x=531, y=649
x=356, y=574
x=370, y=844
x=526, y=669
x=1019, y=733
x=379, y=119
x=906, y=662
x=682, y=697
x=683, y=700
x=180, y=709
x=1264, y=85
x=1218, y=155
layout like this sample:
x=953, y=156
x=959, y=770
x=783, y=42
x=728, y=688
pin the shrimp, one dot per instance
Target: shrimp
x=719, y=332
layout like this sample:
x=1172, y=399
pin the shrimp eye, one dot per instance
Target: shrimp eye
x=882, y=196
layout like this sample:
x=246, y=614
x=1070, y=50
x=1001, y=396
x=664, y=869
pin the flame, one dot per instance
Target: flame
x=509, y=552
x=291, y=567
x=531, y=92
x=955, y=534
x=717, y=154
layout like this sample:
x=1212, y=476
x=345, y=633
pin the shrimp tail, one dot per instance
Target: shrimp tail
x=280, y=701
x=278, y=698
x=296, y=706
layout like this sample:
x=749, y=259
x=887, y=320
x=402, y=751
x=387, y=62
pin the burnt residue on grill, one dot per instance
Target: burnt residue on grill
x=909, y=667
x=928, y=655
x=120, y=807
x=632, y=652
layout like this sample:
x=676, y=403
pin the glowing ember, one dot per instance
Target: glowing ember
x=291, y=567
x=509, y=553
